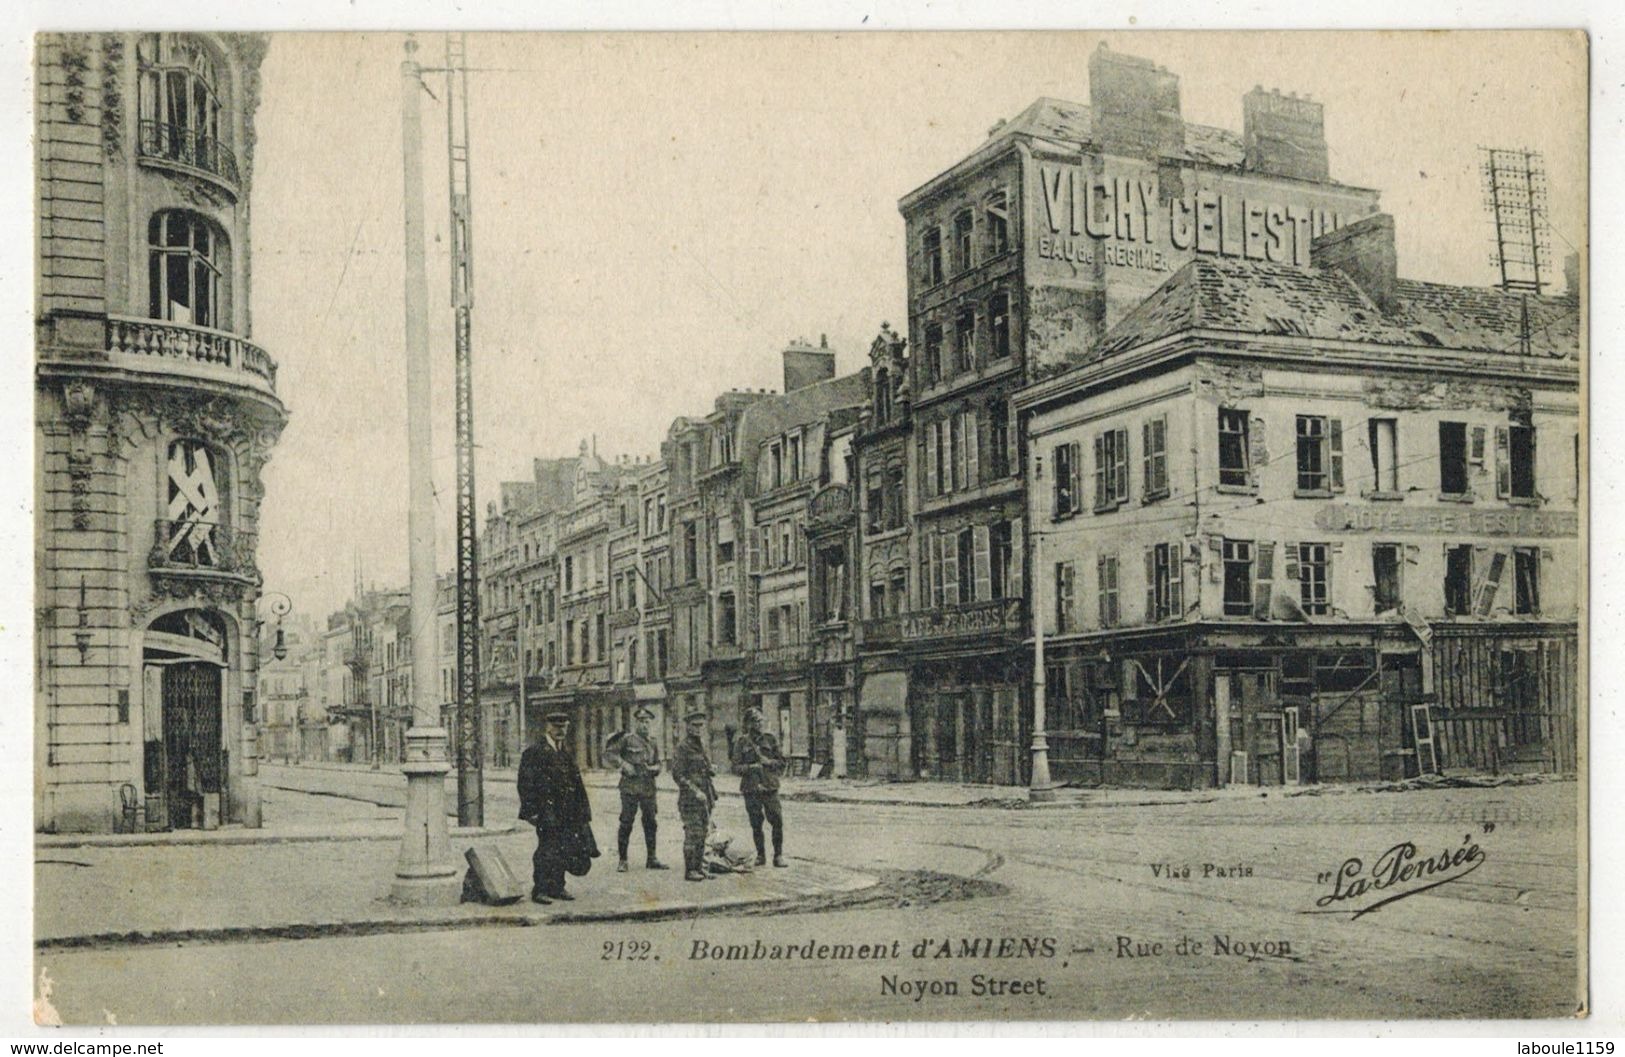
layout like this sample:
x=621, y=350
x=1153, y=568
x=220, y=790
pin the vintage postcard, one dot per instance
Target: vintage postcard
x=785, y=527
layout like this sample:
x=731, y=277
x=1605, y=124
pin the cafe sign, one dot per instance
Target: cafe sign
x=1449, y=521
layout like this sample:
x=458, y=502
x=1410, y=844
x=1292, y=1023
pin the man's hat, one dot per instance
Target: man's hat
x=753, y=712
x=558, y=717
x=698, y=713
x=643, y=712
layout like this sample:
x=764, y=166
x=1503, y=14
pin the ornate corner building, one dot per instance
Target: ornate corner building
x=155, y=414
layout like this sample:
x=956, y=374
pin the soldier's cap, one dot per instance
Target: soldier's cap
x=643, y=712
x=753, y=712
x=692, y=716
x=558, y=717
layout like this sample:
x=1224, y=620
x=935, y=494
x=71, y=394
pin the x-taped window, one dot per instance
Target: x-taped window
x=1162, y=689
x=196, y=506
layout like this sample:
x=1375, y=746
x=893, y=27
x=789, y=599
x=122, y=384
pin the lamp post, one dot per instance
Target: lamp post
x=1040, y=789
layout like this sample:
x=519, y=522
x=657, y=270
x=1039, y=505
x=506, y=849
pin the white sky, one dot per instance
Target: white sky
x=655, y=216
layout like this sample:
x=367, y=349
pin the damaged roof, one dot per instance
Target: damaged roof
x=1255, y=297
x=799, y=407
x=1073, y=124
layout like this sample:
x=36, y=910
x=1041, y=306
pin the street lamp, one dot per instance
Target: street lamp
x=1039, y=789
x=281, y=605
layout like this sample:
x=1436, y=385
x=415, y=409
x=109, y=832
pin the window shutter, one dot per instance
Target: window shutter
x=1018, y=541
x=1334, y=447
x=949, y=546
x=1102, y=470
x=755, y=551
x=1075, y=461
x=1257, y=451
x=1120, y=492
x=929, y=454
x=801, y=545
x=1215, y=565
x=1503, y=463
x=1263, y=578
x=1151, y=585
x=973, y=470
x=1290, y=557
x=1176, y=579
x=1148, y=484
x=984, y=578
x=1475, y=453
x=1492, y=581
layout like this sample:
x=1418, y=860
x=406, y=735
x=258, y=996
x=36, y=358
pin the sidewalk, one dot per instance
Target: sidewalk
x=104, y=896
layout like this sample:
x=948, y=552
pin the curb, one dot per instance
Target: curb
x=229, y=838
x=448, y=922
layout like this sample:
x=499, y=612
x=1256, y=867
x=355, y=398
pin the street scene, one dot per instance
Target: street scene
x=1108, y=544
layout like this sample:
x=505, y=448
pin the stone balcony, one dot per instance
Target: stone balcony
x=156, y=345
x=202, y=552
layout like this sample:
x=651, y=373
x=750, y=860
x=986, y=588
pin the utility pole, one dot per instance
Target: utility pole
x=470, y=725
x=425, y=872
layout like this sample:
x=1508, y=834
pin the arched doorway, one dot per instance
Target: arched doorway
x=184, y=765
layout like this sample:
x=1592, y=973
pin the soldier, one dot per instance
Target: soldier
x=639, y=756
x=696, y=794
x=552, y=798
x=758, y=763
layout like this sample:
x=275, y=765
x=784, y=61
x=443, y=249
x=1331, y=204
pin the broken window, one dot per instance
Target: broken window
x=931, y=257
x=1526, y=580
x=1458, y=580
x=1320, y=454
x=1066, y=480
x=1314, y=578
x=998, y=224
x=874, y=503
x=967, y=565
x=933, y=354
x=196, y=507
x=1453, y=458
x=1386, y=564
x=999, y=555
x=998, y=440
x=1235, y=462
x=1063, y=597
x=998, y=323
x=727, y=632
x=179, y=105
x=1384, y=443
x=963, y=225
x=1515, y=462
x=965, y=340
x=1238, y=577
x=185, y=265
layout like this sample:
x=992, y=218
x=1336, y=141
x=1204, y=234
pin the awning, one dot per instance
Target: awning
x=884, y=692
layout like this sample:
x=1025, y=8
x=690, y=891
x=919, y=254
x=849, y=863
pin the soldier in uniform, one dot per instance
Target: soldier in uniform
x=639, y=756
x=758, y=763
x=696, y=794
x=552, y=798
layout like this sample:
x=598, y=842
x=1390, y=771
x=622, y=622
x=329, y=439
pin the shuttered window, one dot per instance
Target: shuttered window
x=1063, y=597
x=1106, y=574
x=1111, y=469
x=1154, y=459
x=1238, y=577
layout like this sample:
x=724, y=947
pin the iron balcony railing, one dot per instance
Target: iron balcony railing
x=163, y=339
x=191, y=545
x=185, y=146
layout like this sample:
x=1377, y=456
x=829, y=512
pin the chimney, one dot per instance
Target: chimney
x=1135, y=105
x=1284, y=135
x=805, y=365
x=1363, y=251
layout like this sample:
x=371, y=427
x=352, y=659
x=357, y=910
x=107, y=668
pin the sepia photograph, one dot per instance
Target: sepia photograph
x=808, y=527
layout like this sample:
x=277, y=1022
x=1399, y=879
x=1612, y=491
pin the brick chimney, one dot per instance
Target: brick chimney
x=1284, y=135
x=1363, y=251
x=1135, y=105
x=805, y=365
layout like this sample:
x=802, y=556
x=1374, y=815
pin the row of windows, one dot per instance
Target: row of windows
x=1473, y=584
x=954, y=447
x=940, y=362
x=1319, y=461
x=971, y=564
x=654, y=514
x=781, y=545
x=994, y=241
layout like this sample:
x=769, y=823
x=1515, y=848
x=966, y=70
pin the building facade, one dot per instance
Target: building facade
x=1019, y=257
x=1303, y=524
x=155, y=413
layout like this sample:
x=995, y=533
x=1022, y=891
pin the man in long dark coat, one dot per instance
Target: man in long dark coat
x=552, y=798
